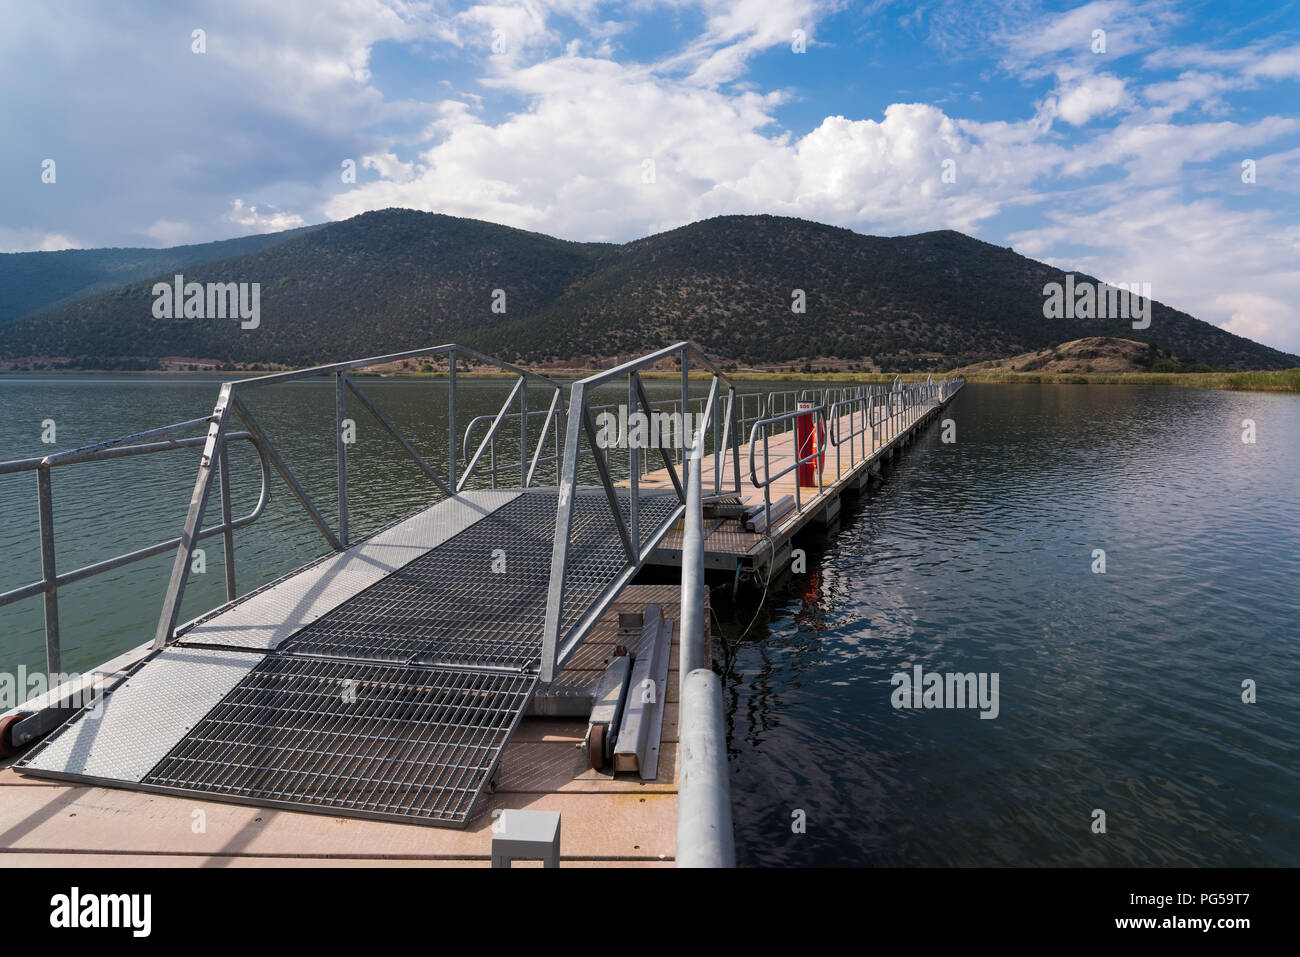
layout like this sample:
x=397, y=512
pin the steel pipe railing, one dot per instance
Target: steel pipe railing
x=759, y=432
x=123, y=447
x=637, y=542
x=230, y=400
x=705, y=837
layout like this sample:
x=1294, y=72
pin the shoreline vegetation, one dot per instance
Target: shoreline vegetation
x=1283, y=380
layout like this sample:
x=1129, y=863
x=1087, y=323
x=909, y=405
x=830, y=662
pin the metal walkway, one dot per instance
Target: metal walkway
x=384, y=679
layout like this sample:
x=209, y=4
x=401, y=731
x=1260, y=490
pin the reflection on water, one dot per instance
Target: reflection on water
x=1118, y=691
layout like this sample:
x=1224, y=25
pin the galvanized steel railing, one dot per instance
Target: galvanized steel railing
x=861, y=413
x=229, y=400
x=124, y=447
x=882, y=414
x=760, y=433
x=874, y=417
x=557, y=647
x=214, y=464
x=705, y=837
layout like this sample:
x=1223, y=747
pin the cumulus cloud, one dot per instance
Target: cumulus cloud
x=273, y=220
x=607, y=151
x=1089, y=97
x=1259, y=317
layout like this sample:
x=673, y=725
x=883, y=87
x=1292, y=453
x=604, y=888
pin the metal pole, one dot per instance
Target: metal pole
x=341, y=453
x=694, y=650
x=717, y=458
x=451, y=415
x=194, y=517
x=767, y=483
x=53, y=658
x=735, y=437
x=560, y=547
x=523, y=434
x=705, y=836
x=228, y=537
x=686, y=385
x=633, y=466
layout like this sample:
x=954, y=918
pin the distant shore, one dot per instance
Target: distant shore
x=1284, y=380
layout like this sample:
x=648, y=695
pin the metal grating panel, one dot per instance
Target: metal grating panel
x=450, y=607
x=364, y=739
x=266, y=618
x=596, y=556
x=401, y=716
x=141, y=719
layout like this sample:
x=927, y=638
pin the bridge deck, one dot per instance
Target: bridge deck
x=607, y=820
x=726, y=542
x=383, y=681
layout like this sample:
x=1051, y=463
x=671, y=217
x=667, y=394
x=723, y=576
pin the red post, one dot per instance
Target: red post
x=808, y=442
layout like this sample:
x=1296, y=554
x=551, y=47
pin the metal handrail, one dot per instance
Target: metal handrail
x=557, y=647
x=819, y=413
x=493, y=469
x=229, y=400
x=866, y=405
x=122, y=447
x=743, y=419
x=705, y=837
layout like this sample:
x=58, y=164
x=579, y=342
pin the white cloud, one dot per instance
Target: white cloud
x=573, y=163
x=271, y=221
x=1193, y=88
x=1218, y=264
x=1252, y=60
x=26, y=240
x=1090, y=97
x=1259, y=317
x=1038, y=46
x=737, y=29
x=389, y=167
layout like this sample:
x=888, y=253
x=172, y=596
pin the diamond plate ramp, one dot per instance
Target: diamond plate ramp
x=143, y=718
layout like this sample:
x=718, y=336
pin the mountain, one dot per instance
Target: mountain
x=397, y=279
x=379, y=282
x=34, y=282
x=912, y=302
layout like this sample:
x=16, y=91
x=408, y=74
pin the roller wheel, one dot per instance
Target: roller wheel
x=7, y=747
x=596, y=747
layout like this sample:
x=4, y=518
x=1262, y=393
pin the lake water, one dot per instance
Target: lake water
x=1118, y=691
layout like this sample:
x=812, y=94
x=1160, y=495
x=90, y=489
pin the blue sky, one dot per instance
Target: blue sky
x=1123, y=161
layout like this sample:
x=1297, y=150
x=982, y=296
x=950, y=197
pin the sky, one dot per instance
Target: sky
x=1141, y=141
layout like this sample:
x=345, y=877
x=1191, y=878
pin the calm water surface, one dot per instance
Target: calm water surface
x=1118, y=691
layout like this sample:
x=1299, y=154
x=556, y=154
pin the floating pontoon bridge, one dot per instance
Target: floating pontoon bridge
x=385, y=678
